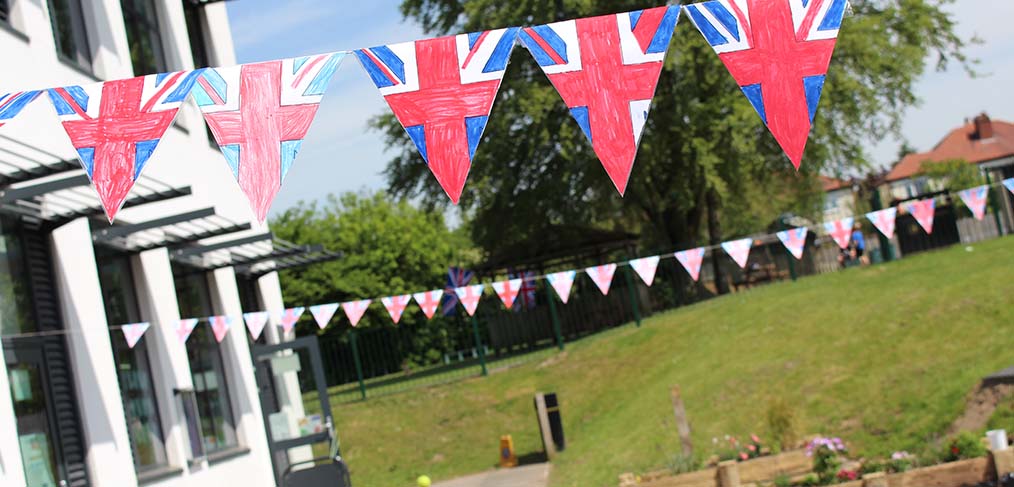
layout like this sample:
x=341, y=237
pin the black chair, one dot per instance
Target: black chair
x=324, y=472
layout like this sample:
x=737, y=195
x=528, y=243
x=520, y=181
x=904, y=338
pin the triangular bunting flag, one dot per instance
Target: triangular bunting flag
x=442, y=91
x=429, y=301
x=778, y=51
x=469, y=296
x=602, y=276
x=396, y=306
x=794, y=240
x=606, y=69
x=354, y=310
x=508, y=291
x=691, y=261
x=11, y=104
x=646, y=268
x=184, y=328
x=259, y=114
x=562, y=282
x=322, y=313
x=1009, y=184
x=923, y=212
x=116, y=126
x=289, y=317
x=133, y=333
x=840, y=231
x=884, y=220
x=255, y=322
x=739, y=250
x=220, y=326
x=975, y=199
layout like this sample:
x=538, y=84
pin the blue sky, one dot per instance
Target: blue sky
x=340, y=154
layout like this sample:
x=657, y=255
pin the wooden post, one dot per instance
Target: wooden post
x=682, y=425
x=547, y=433
x=1003, y=461
x=728, y=474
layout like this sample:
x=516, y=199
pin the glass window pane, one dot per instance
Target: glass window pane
x=69, y=31
x=144, y=36
x=195, y=30
x=133, y=368
x=4, y=10
x=211, y=391
x=16, y=315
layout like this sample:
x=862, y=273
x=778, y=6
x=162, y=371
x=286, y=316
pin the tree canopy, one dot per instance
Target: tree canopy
x=704, y=147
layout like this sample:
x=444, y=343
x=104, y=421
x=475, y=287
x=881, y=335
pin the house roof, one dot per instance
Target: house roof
x=965, y=142
x=832, y=184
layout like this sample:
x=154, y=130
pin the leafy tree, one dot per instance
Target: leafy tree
x=707, y=168
x=954, y=174
x=390, y=248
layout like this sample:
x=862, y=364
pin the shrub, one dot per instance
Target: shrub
x=783, y=481
x=901, y=461
x=782, y=423
x=964, y=445
x=681, y=463
x=826, y=453
x=873, y=465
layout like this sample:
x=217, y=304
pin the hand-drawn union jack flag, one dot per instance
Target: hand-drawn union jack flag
x=691, y=261
x=794, y=240
x=923, y=211
x=11, y=104
x=260, y=113
x=975, y=199
x=442, y=91
x=116, y=126
x=739, y=250
x=528, y=288
x=884, y=220
x=840, y=231
x=778, y=51
x=456, y=277
x=606, y=69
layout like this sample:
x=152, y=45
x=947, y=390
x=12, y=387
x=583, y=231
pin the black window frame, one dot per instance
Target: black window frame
x=196, y=32
x=75, y=47
x=200, y=346
x=130, y=313
x=5, y=11
x=14, y=268
x=141, y=19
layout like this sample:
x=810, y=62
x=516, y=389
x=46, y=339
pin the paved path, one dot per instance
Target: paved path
x=528, y=476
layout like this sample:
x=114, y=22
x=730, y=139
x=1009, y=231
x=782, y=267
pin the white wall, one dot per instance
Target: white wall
x=185, y=157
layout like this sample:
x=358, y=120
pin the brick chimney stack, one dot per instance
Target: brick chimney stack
x=983, y=127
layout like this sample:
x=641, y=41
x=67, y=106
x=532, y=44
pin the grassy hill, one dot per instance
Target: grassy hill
x=882, y=356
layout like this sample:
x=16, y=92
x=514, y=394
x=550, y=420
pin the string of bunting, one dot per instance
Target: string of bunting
x=442, y=90
x=840, y=231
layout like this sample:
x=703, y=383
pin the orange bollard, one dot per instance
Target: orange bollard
x=507, y=457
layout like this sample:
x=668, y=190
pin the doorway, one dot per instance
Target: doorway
x=34, y=416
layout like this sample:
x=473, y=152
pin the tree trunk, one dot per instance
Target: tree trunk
x=715, y=238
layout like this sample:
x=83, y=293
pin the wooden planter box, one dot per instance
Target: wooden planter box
x=796, y=464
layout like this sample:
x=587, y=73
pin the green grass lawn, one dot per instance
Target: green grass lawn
x=882, y=356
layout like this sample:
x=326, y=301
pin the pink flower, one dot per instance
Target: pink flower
x=743, y=456
x=755, y=438
x=752, y=448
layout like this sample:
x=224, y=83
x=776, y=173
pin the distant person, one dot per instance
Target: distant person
x=859, y=244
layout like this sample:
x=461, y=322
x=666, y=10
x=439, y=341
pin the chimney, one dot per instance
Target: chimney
x=983, y=127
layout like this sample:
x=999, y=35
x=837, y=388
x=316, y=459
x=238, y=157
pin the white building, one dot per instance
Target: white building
x=78, y=407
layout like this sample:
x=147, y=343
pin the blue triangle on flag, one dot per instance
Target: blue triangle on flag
x=142, y=151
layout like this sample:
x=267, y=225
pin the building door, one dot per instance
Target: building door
x=294, y=401
x=34, y=416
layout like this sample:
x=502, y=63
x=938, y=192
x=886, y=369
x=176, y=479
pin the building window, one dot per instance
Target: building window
x=133, y=367
x=144, y=36
x=207, y=367
x=69, y=32
x=195, y=30
x=15, y=296
x=5, y=10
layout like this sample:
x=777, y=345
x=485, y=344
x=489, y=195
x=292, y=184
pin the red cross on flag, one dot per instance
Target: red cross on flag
x=840, y=231
x=794, y=240
x=429, y=301
x=322, y=313
x=606, y=69
x=884, y=220
x=395, y=306
x=976, y=199
x=117, y=125
x=469, y=297
x=562, y=282
x=354, y=310
x=602, y=276
x=508, y=291
x=442, y=92
x=260, y=114
x=646, y=268
x=133, y=332
x=289, y=317
x=255, y=322
x=778, y=51
x=739, y=250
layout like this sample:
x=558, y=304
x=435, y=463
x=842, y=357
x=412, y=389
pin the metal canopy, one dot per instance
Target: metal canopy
x=204, y=249
x=124, y=230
